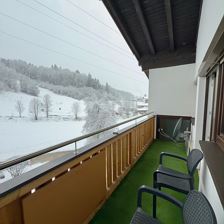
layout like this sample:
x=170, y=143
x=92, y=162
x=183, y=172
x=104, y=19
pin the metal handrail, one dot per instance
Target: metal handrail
x=21, y=159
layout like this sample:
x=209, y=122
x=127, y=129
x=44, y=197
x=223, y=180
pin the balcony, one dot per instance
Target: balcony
x=97, y=185
x=121, y=205
x=72, y=188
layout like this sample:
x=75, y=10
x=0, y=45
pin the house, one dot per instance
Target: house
x=142, y=105
x=179, y=45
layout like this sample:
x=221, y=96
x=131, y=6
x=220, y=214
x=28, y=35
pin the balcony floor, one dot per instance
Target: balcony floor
x=120, y=207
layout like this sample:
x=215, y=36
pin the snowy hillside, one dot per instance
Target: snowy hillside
x=15, y=131
x=61, y=105
x=68, y=104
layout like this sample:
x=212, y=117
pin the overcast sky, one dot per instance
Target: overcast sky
x=75, y=41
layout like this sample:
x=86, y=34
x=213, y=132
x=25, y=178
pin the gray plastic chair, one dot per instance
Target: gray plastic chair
x=178, y=181
x=196, y=209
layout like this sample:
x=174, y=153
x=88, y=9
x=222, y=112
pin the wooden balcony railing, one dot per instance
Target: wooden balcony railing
x=73, y=191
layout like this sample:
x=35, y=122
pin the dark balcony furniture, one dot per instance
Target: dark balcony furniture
x=169, y=178
x=196, y=208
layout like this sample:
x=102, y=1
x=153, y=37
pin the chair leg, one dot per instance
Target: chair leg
x=154, y=196
x=154, y=206
x=192, y=184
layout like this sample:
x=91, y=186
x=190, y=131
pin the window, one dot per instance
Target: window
x=210, y=105
x=219, y=131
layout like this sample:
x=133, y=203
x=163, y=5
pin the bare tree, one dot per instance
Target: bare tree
x=19, y=107
x=17, y=169
x=99, y=115
x=35, y=108
x=75, y=109
x=47, y=104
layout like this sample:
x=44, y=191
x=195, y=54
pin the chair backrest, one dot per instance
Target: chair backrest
x=177, y=128
x=193, y=159
x=198, y=210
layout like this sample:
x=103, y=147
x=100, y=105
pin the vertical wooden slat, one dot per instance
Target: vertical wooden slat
x=136, y=141
x=123, y=153
x=151, y=130
x=143, y=142
x=140, y=130
x=147, y=132
x=133, y=144
x=130, y=149
x=127, y=151
x=119, y=157
x=139, y=140
x=153, y=127
x=109, y=165
x=114, y=148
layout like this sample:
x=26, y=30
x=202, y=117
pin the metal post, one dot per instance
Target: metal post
x=76, y=152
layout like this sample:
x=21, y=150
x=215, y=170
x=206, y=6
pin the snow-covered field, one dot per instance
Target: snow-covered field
x=61, y=105
x=19, y=136
x=22, y=136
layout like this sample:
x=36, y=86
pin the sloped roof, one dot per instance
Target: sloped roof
x=160, y=33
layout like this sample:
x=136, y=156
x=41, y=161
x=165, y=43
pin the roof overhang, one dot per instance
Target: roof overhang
x=160, y=33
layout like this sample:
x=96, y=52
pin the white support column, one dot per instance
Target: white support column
x=199, y=112
x=150, y=109
x=149, y=93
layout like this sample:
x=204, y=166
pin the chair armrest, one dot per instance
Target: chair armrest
x=155, y=192
x=180, y=176
x=162, y=154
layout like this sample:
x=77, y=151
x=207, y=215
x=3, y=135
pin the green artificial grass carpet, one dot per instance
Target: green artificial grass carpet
x=120, y=207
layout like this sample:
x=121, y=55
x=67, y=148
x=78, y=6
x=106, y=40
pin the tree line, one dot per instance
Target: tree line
x=18, y=75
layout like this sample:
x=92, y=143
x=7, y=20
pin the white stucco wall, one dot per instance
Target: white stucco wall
x=208, y=188
x=211, y=16
x=172, y=90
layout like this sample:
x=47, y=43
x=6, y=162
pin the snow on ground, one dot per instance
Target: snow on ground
x=20, y=136
x=61, y=105
x=7, y=175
